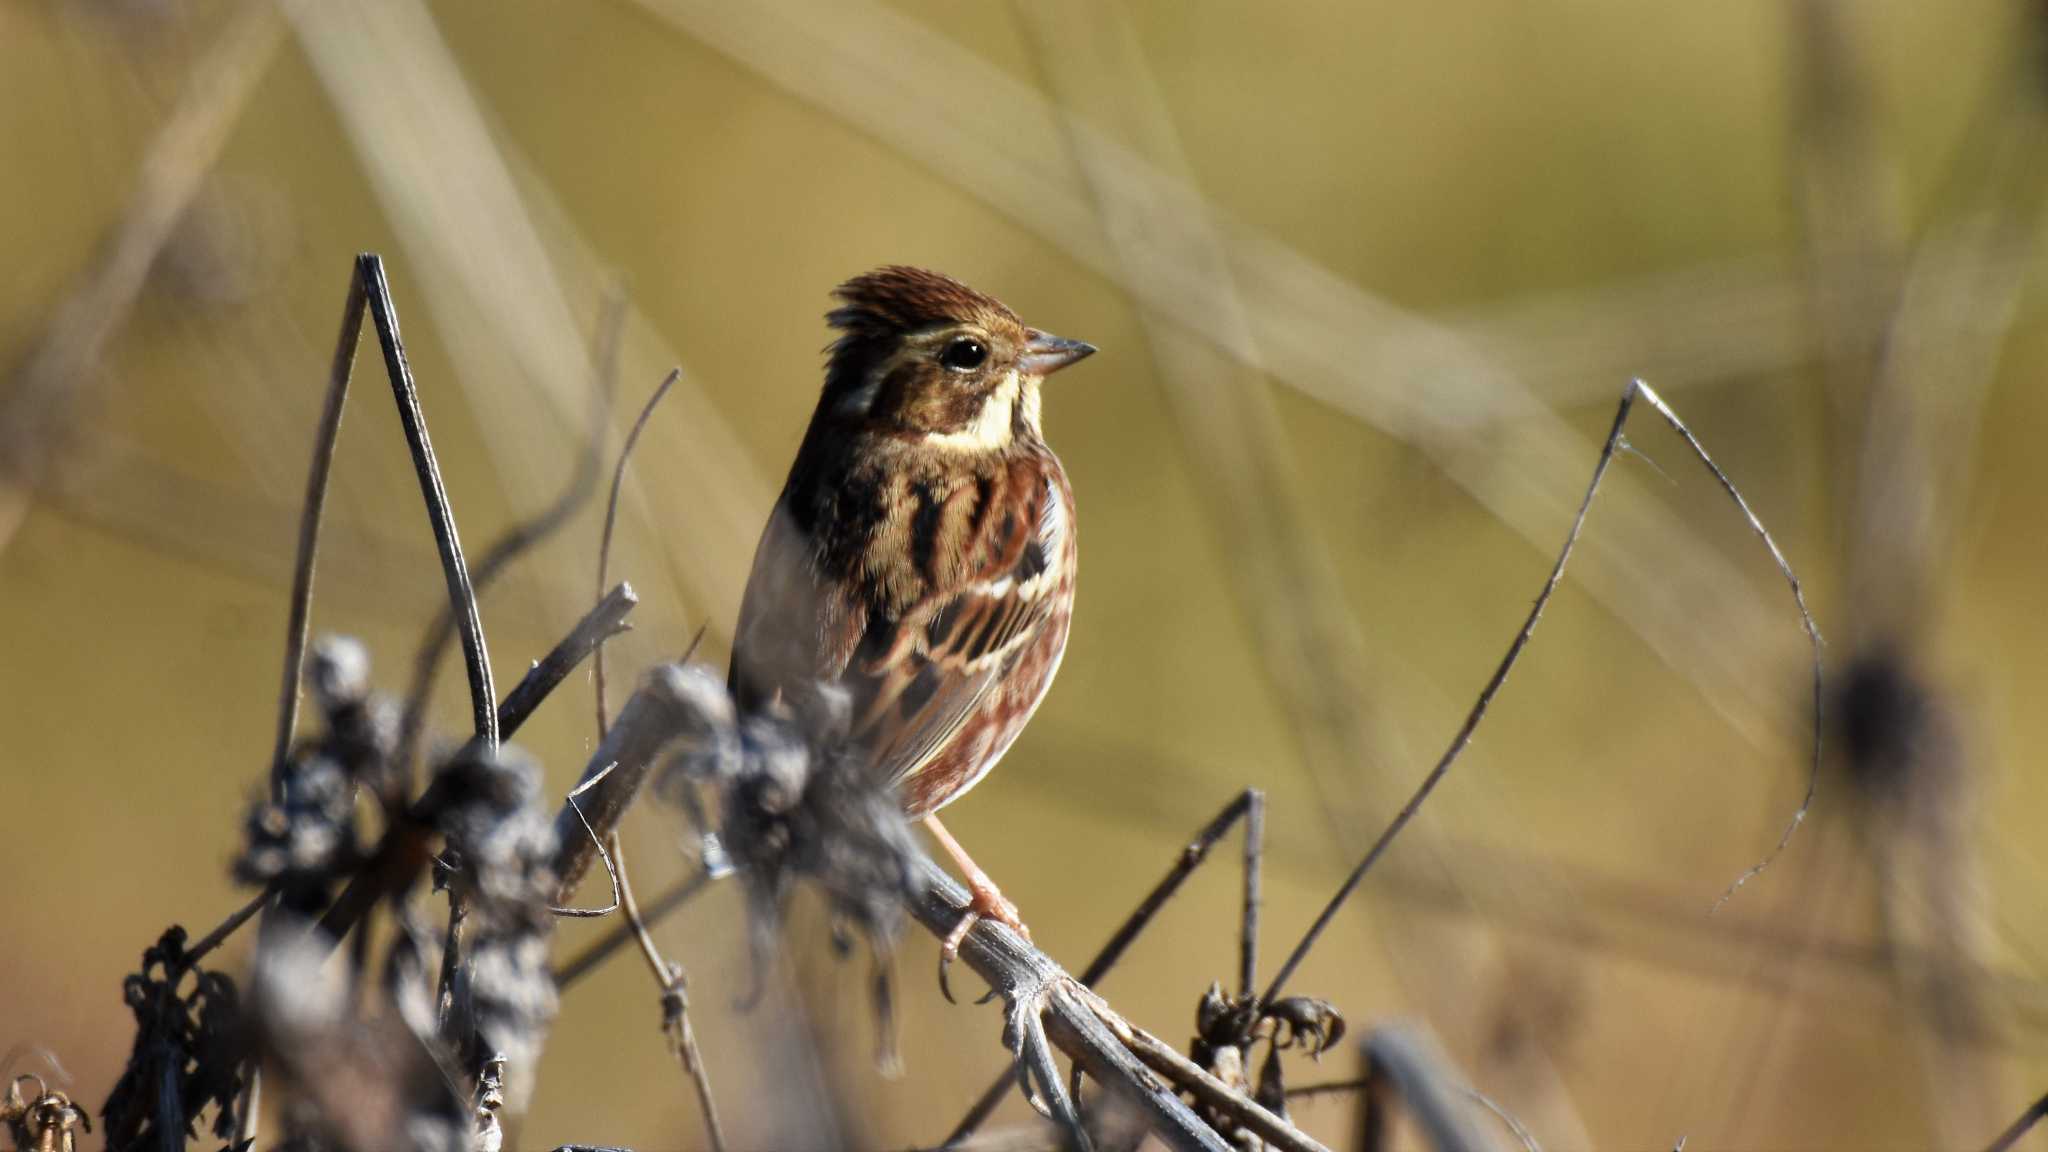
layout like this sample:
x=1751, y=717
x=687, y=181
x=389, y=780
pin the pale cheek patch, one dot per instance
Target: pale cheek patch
x=991, y=427
x=1029, y=409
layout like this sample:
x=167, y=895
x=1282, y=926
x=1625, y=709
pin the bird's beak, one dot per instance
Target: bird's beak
x=1045, y=353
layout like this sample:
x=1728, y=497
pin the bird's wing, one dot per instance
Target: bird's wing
x=797, y=625
x=924, y=676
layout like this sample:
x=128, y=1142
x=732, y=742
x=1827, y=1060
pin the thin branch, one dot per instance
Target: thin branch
x=529, y=533
x=1400, y=1064
x=1521, y=640
x=614, y=867
x=321, y=468
x=249, y=1109
x=1191, y=857
x=476, y=661
x=1191, y=1078
x=227, y=928
x=451, y=970
x=611, y=516
x=1472, y=718
x=656, y=910
x=602, y=620
x=668, y=706
x=1515, y=1127
x=675, y=1002
x=1248, y=923
x=299, y=617
x=363, y=891
x=2020, y=1127
x=675, y=1005
x=1329, y=1088
x=601, y=623
x=1047, y=1004
x=1805, y=619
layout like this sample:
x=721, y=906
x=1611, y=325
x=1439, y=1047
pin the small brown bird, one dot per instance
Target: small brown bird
x=921, y=556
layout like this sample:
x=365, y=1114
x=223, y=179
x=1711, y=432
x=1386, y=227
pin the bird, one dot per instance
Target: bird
x=921, y=555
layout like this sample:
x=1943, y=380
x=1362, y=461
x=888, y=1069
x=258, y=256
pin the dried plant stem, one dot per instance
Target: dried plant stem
x=226, y=928
x=1191, y=1078
x=653, y=717
x=1500, y=674
x=476, y=660
x=1402, y=1066
x=1328, y=1088
x=1248, y=923
x=1047, y=1006
x=401, y=851
x=322, y=466
x=656, y=910
x=601, y=623
x=668, y=977
x=1819, y=678
x=527, y=534
x=676, y=1005
x=1514, y=1126
x=611, y=517
x=2020, y=1127
x=1191, y=857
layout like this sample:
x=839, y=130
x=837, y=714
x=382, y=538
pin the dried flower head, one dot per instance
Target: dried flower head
x=188, y=1051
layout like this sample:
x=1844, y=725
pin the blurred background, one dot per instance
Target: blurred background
x=1368, y=279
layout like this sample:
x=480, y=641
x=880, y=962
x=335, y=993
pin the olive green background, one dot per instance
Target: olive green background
x=1302, y=555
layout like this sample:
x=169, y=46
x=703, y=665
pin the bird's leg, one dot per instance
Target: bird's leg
x=988, y=900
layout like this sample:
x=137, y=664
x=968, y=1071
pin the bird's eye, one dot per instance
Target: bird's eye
x=964, y=354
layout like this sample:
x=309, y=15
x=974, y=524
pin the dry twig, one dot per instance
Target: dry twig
x=1500, y=674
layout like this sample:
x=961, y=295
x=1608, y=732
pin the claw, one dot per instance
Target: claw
x=949, y=951
x=988, y=902
x=1038, y=1073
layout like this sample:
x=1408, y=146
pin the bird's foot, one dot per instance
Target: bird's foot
x=988, y=902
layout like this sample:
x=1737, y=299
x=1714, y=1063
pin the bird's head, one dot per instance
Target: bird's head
x=924, y=355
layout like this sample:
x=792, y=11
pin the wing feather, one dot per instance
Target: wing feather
x=956, y=646
x=919, y=674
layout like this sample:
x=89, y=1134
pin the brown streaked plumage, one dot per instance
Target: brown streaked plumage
x=922, y=553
